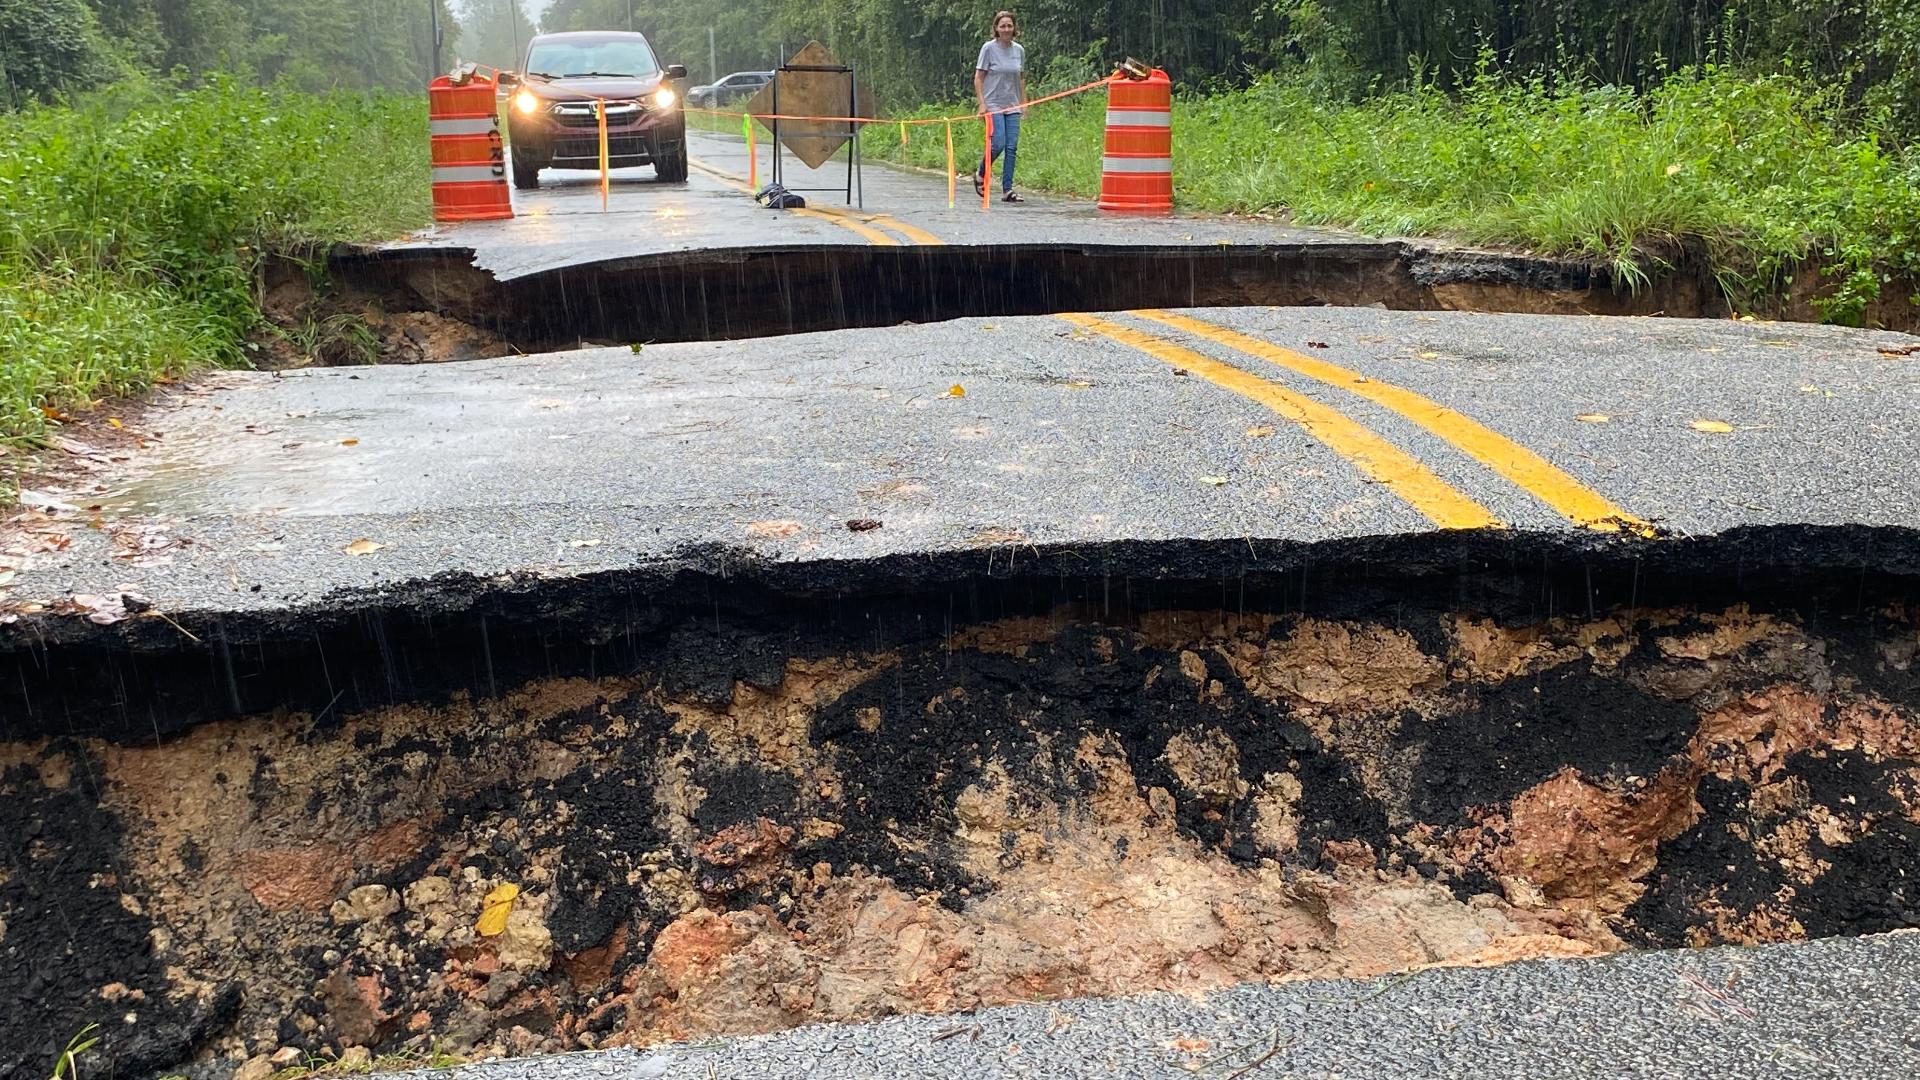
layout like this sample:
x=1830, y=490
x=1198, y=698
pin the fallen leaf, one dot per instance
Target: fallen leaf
x=1077, y=384
x=774, y=530
x=988, y=326
x=1904, y=350
x=1594, y=418
x=349, y=442
x=1711, y=427
x=1216, y=481
x=1190, y=1045
x=1674, y=169
x=583, y=543
x=1260, y=432
x=362, y=546
x=1809, y=389
x=636, y=347
x=1318, y=345
x=270, y=545
x=862, y=525
x=115, y=422
x=499, y=905
x=6, y=576
x=1429, y=356
x=53, y=414
x=956, y=390
x=1182, y=372
x=299, y=413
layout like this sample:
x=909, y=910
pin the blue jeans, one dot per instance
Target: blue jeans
x=1006, y=139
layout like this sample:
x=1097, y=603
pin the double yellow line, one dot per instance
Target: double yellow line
x=1380, y=460
x=861, y=223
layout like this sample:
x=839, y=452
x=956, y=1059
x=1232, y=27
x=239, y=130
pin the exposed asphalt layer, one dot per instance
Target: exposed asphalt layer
x=1835, y=1008
x=989, y=438
x=563, y=225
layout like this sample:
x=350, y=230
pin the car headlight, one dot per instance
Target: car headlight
x=665, y=97
x=525, y=102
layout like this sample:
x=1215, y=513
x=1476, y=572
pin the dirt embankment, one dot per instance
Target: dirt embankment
x=761, y=831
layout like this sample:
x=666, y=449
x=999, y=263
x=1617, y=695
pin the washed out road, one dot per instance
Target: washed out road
x=563, y=225
x=1276, y=427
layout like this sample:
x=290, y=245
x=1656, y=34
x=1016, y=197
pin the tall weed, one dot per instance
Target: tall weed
x=132, y=220
x=1766, y=169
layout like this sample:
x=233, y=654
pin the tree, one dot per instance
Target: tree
x=48, y=47
x=494, y=32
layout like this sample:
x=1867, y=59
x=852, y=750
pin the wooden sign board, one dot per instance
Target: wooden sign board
x=813, y=93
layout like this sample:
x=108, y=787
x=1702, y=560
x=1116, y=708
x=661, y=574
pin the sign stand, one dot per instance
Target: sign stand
x=855, y=189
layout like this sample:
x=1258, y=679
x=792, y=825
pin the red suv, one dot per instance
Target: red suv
x=551, y=122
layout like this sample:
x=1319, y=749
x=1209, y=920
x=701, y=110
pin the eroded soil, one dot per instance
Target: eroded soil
x=763, y=830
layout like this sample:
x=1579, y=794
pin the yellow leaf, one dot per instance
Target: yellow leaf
x=1429, y=356
x=988, y=326
x=1809, y=389
x=115, y=421
x=499, y=905
x=1260, y=432
x=1594, y=418
x=362, y=546
x=1216, y=481
x=349, y=442
x=1674, y=169
x=956, y=390
x=1711, y=427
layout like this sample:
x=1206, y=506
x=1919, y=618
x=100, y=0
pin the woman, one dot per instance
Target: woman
x=1000, y=83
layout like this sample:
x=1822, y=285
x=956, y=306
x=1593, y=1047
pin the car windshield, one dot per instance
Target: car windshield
x=617, y=57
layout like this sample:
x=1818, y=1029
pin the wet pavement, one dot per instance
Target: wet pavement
x=562, y=224
x=1835, y=1008
x=1275, y=428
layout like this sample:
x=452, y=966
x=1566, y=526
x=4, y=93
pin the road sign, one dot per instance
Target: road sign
x=813, y=83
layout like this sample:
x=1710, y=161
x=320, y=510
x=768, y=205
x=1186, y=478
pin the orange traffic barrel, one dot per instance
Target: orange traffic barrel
x=469, y=158
x=1137, y=173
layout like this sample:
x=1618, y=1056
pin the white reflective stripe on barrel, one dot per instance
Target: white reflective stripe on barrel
x=459, y=174
x=1135, y=118
x=478, y=125
x=1138, y=164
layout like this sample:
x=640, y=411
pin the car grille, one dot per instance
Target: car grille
x=618, y=146
x=579, y=114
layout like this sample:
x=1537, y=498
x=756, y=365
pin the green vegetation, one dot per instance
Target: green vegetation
x=1765, y=170
x=67, y=1065
x=132, y=224
x=50, y=48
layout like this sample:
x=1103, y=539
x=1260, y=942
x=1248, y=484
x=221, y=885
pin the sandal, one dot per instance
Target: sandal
x=979, y=184
x=1012, y=196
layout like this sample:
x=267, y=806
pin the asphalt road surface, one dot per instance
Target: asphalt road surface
x=1840, y=1008
x=562, y=224
x=253, y=491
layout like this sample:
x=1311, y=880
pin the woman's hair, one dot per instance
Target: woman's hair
x=998, y=15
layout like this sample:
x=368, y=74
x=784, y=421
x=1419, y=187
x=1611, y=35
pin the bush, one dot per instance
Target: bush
x=1768, y=170
x=132, y=222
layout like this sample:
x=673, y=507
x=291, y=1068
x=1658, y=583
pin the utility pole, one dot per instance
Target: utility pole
x=433, y=21
x=713, y=65
x=513, y=20
x=629, y=16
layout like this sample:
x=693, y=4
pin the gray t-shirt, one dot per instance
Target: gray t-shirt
x=1003, y=66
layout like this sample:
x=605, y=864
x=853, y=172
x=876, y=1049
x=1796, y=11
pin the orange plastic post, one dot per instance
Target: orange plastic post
x=606, y=182
x=950, y=174
x=753, y=158
x=986, y=166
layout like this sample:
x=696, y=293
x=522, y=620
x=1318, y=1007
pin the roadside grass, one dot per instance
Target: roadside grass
x=1767, y=170
x=132, y=221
